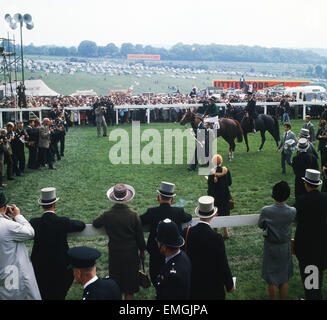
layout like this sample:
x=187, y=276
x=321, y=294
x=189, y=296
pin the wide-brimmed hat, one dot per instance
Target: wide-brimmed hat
x=167, y=190
x=3, y=199
x=312, y=177
x=168, y=234
x=303, y=145
x=206, y=208
x=121, y=193
x=305, y=133
x=48, y=197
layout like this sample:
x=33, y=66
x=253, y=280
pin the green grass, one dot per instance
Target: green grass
x=85, y=174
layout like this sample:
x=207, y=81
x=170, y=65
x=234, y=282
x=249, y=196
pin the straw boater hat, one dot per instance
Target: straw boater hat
x=167, y=190
x=303, y=145
x=206, y=208
x=305, y=133
x=312, y=177
x=48, y=197
x=121, y=193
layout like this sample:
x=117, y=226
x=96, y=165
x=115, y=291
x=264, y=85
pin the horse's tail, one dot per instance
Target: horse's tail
x=239, y=131
x=276, y=129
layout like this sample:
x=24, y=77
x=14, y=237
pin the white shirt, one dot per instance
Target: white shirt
x=90, y=282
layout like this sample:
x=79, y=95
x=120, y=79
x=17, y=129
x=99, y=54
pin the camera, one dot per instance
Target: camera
x=8, y=211
x=3, y=138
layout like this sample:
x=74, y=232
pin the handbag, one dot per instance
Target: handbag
x=231, y=204
x=144, y=280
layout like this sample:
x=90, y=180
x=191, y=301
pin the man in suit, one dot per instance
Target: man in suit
x=44, y=144
x=174, y=278
x=18, y=145
x=33, y=136
x=310, y=242
x=100, y=120
x=309, y=126
x=200, y=132
x=49, y=253
x=152, y=218
x=288, y=144
x=21, y=95
x=301, y=162
x=305, y=133
x=206, y=249
x=83, y=262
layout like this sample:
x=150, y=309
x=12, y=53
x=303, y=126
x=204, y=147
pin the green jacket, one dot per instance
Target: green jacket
x=212, y=110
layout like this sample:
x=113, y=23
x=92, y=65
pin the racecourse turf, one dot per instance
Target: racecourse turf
x=85, y=174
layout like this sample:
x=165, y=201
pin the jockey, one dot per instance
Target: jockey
x=212, y=109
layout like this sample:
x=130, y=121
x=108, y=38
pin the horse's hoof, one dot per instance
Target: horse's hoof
x=259, y=150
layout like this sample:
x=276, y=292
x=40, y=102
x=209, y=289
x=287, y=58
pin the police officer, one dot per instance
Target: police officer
x=174, y=279
x=251, y=109
x=83, y=260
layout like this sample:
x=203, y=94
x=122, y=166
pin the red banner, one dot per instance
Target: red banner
x=256, y=85
x=143, y=57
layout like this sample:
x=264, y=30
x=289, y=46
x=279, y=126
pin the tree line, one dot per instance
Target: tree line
x=183, y=52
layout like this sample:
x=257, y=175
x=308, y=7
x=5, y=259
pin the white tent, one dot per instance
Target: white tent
x=79, y=93
x=36, y=88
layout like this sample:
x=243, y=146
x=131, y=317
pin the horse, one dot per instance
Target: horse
x=229, y=130
x=263, y=123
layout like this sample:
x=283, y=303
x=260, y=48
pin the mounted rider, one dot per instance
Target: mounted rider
x=251, y=109
x=212, y=113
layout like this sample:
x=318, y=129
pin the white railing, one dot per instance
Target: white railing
x=219, y=222
x=151, y=107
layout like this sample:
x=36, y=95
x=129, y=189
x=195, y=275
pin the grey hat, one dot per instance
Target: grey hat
x=48, y=197
x=305, y=133
x=206, y=208
x=167, y=190
x=121, y=193
x=312, y=177
x=303, y=145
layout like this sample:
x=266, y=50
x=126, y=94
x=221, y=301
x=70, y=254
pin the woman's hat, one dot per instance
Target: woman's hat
x=168, y=234
x=48, y=197
x=312, y=177
x=303, y=145
x=3, y=199
x=206, y=208
x=121, y=193
x=167, y=190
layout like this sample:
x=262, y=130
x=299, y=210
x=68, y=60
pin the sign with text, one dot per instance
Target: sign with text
x=143, y=57
x=256, y=85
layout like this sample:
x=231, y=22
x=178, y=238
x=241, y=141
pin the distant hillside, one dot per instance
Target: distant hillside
x=182, y=52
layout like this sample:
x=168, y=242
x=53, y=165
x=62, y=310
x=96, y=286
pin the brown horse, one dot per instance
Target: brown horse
x=229, y=131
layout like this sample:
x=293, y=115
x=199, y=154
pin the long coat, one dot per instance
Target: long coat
x=311, y=231
x=49, y=254
x=210, y=270
x=152, y=218
x=277, y=266
x=13, y=252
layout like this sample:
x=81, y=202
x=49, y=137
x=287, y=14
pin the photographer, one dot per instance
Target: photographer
x=8, y=150
x=32, y=141
x=44, y=144
x=18, y=145
x=100, y=120
x=14, y=231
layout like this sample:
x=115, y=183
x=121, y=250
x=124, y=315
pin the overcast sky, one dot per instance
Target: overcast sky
x=268, y=23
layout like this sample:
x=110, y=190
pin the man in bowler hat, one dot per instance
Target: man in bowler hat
x=153, y=216
x=83, y=262
x=174, y=279
x=49, y=253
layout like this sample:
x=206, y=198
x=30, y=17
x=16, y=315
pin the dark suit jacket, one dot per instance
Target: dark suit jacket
x=154, y=215
x=311, y=231
x=49, y=253
x=220, y=190
x=210, y=269
x=102, y=289
x=174, y=279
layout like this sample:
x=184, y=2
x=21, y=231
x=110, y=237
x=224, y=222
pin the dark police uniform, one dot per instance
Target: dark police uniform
x=100, y=289
x=174, y=279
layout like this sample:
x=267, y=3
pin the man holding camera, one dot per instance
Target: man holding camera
x=17, y=278
x=44, y=144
